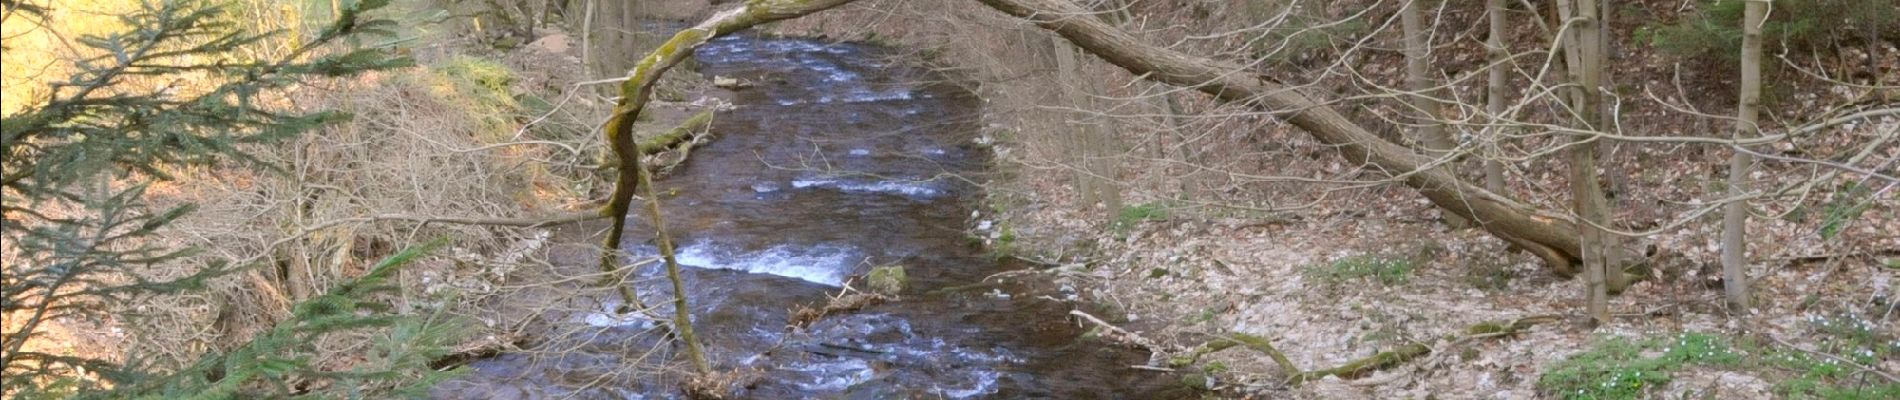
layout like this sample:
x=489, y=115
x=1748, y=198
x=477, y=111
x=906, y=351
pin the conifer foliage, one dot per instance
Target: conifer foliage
x=174, y=88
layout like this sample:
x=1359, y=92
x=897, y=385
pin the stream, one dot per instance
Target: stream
x=836, y=160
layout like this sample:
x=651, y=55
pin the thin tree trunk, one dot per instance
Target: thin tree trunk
x=1583, y=51
x=1551, y=237
x=1431, y=133
x=1735, y=214
x=1091, y=144
x=1606, y=121
x=1494, y=92
x=682, y=314
x=587, y=42
x=1076, y=138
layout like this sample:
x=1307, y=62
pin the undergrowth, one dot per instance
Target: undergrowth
x=1618, y=368
x=1385, y=270
x=1713, y=31
x=1303, y=34
x=1130, y=216
x=1622, y=368
x=1840, y=337
x=481, y=87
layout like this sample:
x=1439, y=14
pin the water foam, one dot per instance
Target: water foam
x=605, y=317
x=836, y=375
x=911, y=189
x=822, y=264
x=985, y=385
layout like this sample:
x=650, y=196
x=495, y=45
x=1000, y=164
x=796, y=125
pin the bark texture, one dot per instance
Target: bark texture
x=1496, y=54
x=1430, y=133
x=1583, y=51
x=1735, y=214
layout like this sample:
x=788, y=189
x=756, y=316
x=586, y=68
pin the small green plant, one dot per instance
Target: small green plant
x=1002, y=242
x=1841, y=337
x=483, y=86
x=1215, y=367
x=1618, y=368
x=1846, y=206
x=1713, y=33
x=1489, y=276
x=1128, y=217
x=1302, y=34
x=1383, y=269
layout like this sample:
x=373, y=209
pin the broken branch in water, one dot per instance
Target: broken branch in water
x=805, y=315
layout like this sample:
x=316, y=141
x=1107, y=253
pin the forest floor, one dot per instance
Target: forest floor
x=1374, y=270
x=1365, y=271
x=1361, y=272
x=1332, y=288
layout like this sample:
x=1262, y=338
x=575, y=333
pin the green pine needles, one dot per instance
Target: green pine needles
x=178, y=87
x=278, y=364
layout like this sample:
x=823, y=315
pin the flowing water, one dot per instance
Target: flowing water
x=836, y=161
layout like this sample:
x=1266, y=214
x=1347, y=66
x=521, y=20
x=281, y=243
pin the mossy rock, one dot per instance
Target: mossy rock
x=508, y=43
x=887, y=280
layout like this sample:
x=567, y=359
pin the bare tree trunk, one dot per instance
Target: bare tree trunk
x=1091, y=142
x=587, y=41
x=1494, y=91
x=1583, y=51
x=1607, y=121
x=682, y=313
x=1735, y=213
x=1075, y=144
x=1431, y=133
x=1551, y=237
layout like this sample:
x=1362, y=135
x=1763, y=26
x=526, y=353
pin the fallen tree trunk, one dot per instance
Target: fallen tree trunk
x=1552, y=237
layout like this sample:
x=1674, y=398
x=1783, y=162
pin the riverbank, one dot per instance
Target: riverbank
x=1228, y=221
x=836, y=165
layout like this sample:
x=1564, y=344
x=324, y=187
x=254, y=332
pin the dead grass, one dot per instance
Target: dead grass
x=453, y=138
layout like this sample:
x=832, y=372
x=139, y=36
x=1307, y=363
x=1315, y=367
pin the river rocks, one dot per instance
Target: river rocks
x=886, y=280
x=729, y=83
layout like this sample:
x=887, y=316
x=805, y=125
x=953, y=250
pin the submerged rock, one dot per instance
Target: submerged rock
x=886, y=280
x=729, y=83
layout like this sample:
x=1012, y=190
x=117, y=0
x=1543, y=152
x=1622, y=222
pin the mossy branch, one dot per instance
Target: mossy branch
x=1356, y=368
x=1365, y=366
x=674, y=137
x=637, y=91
